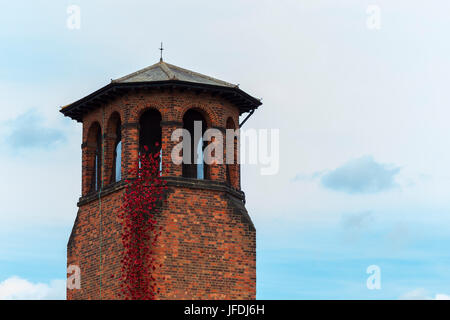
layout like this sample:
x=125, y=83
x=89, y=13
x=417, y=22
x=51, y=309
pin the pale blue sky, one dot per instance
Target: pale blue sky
x=363, y=118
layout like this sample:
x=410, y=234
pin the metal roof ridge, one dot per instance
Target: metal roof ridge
x=228, y=84
x=136, y=73
x=167, y=71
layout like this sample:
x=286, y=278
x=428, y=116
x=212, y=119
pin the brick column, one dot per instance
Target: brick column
x=86, y=174
x=130, y=146
x=217, y=171
x=167, y=128
x=109, y=141
x=234, y=168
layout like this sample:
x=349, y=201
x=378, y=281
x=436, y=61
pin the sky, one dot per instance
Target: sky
x=362, y=114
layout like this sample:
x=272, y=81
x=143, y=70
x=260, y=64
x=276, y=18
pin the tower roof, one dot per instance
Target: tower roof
x=163, y=71
x=161, y=75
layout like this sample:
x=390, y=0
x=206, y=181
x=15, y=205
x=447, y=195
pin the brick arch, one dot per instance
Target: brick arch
x=229, y=111
x=111, y=125
x=230, y=123
x=88, y=123
x=210, y=117
x=140, y=111
x=115, y=109
x=92, y=132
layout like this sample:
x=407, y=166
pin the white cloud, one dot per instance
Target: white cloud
x=28, y=131
x=422, y=294
x=16, y=288
x=362, y=175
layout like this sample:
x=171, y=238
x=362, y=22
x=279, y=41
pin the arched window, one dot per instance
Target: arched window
x=196, y=167
x=150, y=132
x=117, y=161
x=96, y=144
x=113, y=149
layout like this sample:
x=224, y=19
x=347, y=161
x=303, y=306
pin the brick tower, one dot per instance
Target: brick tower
x=208, y=242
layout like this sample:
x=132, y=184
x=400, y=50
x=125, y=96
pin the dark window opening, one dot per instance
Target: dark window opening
x=150, y=133
x=197, y=168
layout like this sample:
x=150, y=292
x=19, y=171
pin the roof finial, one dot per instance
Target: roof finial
x=161, y=49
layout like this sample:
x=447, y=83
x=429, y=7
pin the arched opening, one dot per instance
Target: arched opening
x=117, y=158
x=113, y=149
x=95, y=154
x=150, y=133
x=195, y=166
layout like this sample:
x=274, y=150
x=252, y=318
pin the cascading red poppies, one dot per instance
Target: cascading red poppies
x=142, y=200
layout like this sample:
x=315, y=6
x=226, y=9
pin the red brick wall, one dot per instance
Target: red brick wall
x=208, y=242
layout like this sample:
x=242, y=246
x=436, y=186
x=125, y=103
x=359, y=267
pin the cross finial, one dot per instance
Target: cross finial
x=161, y=49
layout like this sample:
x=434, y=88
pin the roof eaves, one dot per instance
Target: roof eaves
x=73, y=109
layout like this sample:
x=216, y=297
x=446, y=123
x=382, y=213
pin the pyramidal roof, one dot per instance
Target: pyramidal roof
x=162, y=76
x=163, y=71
